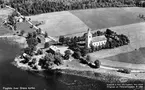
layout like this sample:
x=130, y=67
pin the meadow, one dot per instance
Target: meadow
x=134, y=57
x=74, y=22
x=109, y=17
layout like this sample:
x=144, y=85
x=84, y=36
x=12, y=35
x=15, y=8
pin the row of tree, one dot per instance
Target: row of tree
x=31, y=7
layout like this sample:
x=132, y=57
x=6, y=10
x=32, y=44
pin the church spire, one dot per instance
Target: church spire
x=88, y=38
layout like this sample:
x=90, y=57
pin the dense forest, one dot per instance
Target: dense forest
x=32, y=7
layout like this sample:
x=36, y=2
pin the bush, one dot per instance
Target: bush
x=97, y=63
x=83, y=61
x=88, y=58
x=47, y=44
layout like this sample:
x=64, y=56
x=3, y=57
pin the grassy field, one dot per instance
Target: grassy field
x=25, y=26
x=135, y=57
x=109, y=17
x=71, y=22
x=60, y=23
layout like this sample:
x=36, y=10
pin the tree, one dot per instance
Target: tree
x=46, y=34
x=32, y=42
x=77, y=55
x=46, y=45
x=61, y=39
x=58, y=60
x=29, y=35
x=88, y=58
x=34, y=34
x=99, y=33
x=109, y=32
x=84, y=51
x=92, y=48
x=97, y=63
x=29, y=50
x=49, y=57
x=67, y=54
x=22, y=32
x=12, y=21
x=38, y=31
x=67, y=40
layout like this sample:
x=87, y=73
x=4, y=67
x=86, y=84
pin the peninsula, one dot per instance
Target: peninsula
x=86, y=54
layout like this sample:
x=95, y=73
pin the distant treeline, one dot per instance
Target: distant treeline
x=32, y=7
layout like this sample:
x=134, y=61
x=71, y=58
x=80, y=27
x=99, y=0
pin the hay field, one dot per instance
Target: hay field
x=134, y=57
x=109, y=17
x=25, y=26
x=60, y=23
x=72, y=22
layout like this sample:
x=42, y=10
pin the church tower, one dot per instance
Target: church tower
x=88, y=38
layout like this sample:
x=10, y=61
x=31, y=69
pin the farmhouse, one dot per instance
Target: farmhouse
x=94, y=41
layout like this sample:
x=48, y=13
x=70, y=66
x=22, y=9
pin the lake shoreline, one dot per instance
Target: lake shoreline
x=104, y=74
x=96, y=74
x=21, y=41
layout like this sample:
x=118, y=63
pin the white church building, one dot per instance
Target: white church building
x=95, y=41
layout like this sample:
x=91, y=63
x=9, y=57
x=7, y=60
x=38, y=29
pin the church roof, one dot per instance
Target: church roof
x=99, y=38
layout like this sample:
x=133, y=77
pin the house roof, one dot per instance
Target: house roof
x=62, y=49
x=54, y=48
x=99, y=38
